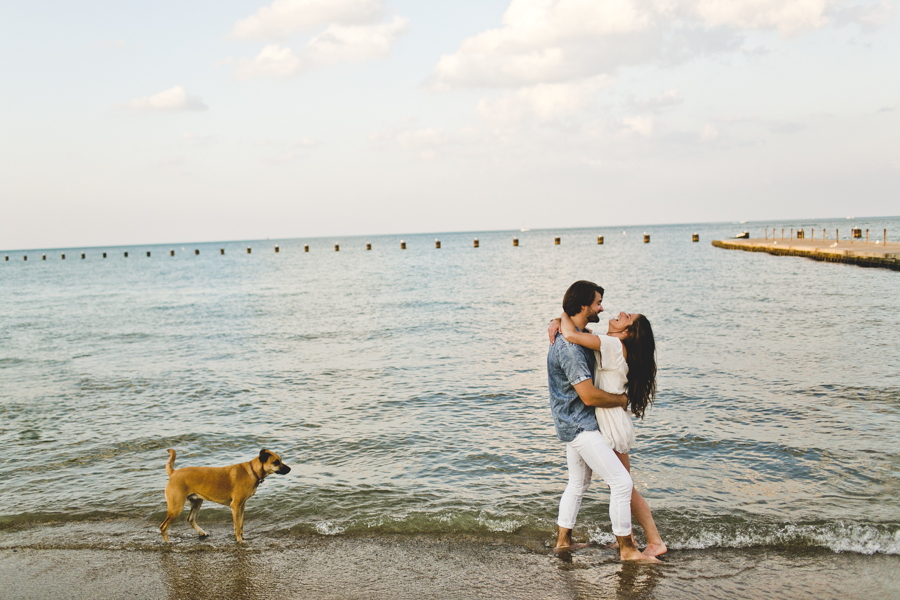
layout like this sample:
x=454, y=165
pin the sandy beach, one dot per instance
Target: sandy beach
x=419, y=566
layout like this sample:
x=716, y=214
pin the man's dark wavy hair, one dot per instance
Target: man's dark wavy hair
x=579, y=294
x=640, y=354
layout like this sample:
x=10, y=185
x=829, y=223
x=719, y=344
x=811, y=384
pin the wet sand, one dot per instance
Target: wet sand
x=431, y=567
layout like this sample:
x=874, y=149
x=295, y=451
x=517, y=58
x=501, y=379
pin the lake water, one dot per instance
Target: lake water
x=407, y=389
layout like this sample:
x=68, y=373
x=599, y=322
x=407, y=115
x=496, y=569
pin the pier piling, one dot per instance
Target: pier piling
x=402, y=245
x=196, y=251
x=696, y=236
x=556, y=241
x=126, y=255
x=82, y=255
x=306, y=247
x=646, y=238
x=277, y=249
x=64, y=257
x=337, y=247
x=475, y=243
x=515, y=241
x=104, y=255
x=437, y=243
x=599, y=240
x=248, y=249
x=43, y=257
x=368, y=246
x=148, y=254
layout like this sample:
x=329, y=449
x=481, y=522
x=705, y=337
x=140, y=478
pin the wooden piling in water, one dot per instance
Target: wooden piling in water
x=696, y=237
x=337, y=247
x=402, y=245
x=646, y=238
x=248, y=249
x=63, y=257
x=475, y=244
x=43, y=257
x=82, y=255
x=515, y=241
x=148, y=254
x=599, y=240
x=277, y=249
x=437, y=244
x=104, y=255
x=126, y=255
x=306, y=247
x=368, y=246
x=221, y=251
x=196, y=251
x=556, y=241
x=171, y=253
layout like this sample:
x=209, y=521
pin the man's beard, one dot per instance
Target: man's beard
x=594, y=318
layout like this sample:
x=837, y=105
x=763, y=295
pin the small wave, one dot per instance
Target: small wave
x=857, y=538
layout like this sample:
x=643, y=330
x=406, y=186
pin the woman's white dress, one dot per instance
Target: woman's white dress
x=611, y=375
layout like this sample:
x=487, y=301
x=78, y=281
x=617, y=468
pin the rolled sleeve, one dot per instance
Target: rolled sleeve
x=573, y=364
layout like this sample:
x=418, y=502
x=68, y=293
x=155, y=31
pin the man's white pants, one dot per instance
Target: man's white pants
x=587, y=454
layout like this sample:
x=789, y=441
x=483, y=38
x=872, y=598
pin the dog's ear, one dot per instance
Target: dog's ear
x=264, y=456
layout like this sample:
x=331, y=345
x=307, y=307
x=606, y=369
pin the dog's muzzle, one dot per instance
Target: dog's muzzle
x=284, y=470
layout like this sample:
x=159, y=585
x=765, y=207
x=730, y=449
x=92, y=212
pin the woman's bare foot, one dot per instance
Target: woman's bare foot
x=628, y=551
x=655, y=549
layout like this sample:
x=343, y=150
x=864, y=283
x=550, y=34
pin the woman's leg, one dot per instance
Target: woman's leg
x=641, y=511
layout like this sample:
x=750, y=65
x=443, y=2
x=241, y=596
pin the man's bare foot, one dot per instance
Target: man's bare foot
x=571, y=546
x=655, y=549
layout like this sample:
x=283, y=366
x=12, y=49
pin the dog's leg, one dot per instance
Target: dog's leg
x=174, y=509
x=195, y=501
x=237, y=513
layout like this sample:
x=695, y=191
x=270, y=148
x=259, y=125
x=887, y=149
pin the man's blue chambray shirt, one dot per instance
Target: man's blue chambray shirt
x=567, y=365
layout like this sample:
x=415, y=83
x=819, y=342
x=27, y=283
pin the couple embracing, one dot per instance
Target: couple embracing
x=594, y=380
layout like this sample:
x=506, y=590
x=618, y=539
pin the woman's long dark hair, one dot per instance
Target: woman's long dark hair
x=640, y=354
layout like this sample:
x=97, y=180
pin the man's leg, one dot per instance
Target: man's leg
x=570, y=503
x=604, y=462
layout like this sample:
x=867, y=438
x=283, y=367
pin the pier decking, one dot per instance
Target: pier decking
x=886, y=256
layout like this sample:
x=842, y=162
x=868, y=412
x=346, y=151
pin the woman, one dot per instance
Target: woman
x=626, y=364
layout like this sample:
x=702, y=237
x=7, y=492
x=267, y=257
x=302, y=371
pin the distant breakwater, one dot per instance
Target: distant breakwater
x=885, y=256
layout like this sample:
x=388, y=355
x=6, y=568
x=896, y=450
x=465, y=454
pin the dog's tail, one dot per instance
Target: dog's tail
x=170, y=466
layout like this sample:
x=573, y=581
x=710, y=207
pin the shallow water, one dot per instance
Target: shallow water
x=407, y=389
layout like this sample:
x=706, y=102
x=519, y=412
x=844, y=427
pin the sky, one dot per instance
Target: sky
x=166, y=122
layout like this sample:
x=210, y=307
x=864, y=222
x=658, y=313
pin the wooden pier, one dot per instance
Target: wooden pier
x=885, y=256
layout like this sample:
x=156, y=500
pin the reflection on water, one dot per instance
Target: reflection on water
x=408, y=388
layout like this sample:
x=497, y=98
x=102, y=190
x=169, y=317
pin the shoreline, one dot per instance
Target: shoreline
x=419, y=566
x=885, y=256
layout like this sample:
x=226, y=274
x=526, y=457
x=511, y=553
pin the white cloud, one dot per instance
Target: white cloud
x=709, y=133
x=641, y=125
x=272, y=61
x=545, y=101
x=338, y=43
x=341, y=43
x=285, y=17
x=173, y=100
x=552, y=41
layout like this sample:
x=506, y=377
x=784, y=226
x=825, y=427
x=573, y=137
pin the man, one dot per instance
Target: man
x=573, y=397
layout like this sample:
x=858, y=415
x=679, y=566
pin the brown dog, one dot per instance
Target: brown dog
x=231, y=486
